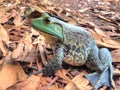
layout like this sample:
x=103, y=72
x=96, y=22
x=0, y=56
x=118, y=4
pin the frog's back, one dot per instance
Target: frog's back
x=79, y=43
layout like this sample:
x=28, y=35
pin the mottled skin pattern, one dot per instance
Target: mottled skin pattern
x=76, y=47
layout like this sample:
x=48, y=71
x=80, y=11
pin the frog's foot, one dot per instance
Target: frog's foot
x=50, y=68
x=99, y=79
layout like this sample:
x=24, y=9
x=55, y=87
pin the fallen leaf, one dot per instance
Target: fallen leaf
x=4, y=40
x=18, y=20
x=80, y=83
x=103, y=88
x=115, y=55
x=102, y=17
x=99, y=31
x=10, y=72
x=23, y=48
x=110, y=41
x=17, y=52
x=50, y=86
x=116, y=72
x=54, y=87
x=39, y=9
x=62, y=74
x=3, y=49
x=31, y=55
x=31, y=83
x=104, y=41
x=4, y=35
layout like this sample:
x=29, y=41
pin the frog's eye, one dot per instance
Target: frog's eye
x=47, y=20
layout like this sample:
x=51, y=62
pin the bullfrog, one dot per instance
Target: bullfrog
x=76, y=47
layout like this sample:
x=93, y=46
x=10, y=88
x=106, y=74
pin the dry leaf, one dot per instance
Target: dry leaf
x=62, y=74
x=24, y=47
x=42, y=54
x=110, y=41
x=10, y=72
x=4, y=17
x=31, y=55
x=4, y=35
x=45, y=81
x=4, y=49
x=104, y=41
x=99, y=31
x=53, y=87
x=32, y=83
x=50, y=86
x=80, y=83
x=4, y=40
x=39, y=9
x=16, y=53
x=18, y=20
x=117, y=87
x=116, y=55
x=116, y=72
x=102, y=17
x=103, y=88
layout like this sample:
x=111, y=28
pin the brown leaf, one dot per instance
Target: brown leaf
x=45, y=81
x=24, y=47
x=4, y=17
x=116, y=55
x=42, y=54
x=111, y=42
x=39, y=9
x=99, y=31
x=4, y=49
x=31, y=55
x=10, y=72
x=4, y=40
x=62, y=74
x=116, y=71
x=103, y=88
x=17, y=52
x=18, y=20
x=102, y=17
x=54, y=87
x=104, y=41
x=117, y=87
x=50, y=84
x=80, y=83
x=4, y=35
x=32, y=83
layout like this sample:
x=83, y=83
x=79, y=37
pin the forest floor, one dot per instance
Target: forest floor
x=23, y=50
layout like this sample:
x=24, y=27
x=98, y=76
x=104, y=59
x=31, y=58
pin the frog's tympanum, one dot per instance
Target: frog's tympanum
x=76, y=47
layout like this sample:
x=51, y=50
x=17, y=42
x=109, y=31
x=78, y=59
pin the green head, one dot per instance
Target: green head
x=49, y=25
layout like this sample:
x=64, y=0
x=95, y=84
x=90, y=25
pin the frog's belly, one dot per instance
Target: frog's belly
x=75, y=60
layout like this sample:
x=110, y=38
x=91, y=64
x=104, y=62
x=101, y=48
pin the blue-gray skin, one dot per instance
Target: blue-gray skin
x=76, y=47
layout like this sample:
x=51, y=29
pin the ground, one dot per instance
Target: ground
x=23, y=50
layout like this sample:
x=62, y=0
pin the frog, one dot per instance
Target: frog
x=75, y=46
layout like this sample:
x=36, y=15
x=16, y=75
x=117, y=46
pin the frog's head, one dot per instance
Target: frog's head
x=49, y=25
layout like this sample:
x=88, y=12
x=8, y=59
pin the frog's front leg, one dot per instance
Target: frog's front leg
x=55, y=63
x=101, y=62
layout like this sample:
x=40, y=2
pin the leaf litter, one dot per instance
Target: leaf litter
x=24, y=50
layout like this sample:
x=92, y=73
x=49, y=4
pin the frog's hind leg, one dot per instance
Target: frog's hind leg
x=106, y=58
x=102, y=63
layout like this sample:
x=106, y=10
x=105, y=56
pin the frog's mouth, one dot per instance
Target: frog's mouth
x=48, y=35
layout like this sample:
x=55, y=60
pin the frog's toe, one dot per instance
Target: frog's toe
x=99, y=79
